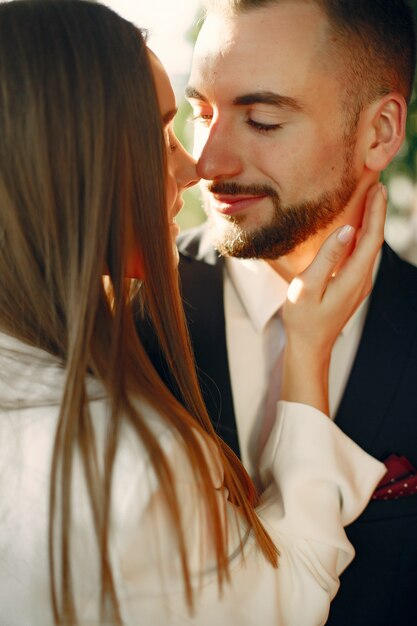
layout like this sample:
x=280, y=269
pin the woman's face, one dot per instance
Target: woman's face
x=181, y=166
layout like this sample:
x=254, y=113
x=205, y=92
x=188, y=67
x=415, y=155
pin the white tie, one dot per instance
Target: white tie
x=273, y=392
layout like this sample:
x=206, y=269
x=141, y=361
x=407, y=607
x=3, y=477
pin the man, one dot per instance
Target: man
x=299, y=105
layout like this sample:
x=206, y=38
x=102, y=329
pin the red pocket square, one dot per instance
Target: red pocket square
x=399, y=481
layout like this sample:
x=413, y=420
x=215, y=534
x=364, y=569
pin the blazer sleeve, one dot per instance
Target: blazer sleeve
x=320, y=481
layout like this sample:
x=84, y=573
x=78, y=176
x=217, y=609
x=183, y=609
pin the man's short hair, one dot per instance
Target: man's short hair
x=376, y=40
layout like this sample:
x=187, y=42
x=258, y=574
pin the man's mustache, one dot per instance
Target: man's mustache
x=235, y=189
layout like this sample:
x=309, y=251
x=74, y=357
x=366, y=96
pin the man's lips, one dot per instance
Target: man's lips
x=230, y=204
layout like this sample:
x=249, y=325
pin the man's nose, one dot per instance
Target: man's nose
x=219, y=157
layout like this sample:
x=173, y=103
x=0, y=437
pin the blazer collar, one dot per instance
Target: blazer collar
x=196, y=244
x=386, y=343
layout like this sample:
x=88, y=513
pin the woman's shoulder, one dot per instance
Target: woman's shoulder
x=135, y=477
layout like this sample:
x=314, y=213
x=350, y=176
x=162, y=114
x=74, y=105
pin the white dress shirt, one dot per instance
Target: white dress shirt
x=253, y=294
x=321, y=482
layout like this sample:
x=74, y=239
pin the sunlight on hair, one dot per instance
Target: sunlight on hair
x=294, y=290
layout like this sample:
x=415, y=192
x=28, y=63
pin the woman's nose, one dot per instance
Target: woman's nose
x=185, y=169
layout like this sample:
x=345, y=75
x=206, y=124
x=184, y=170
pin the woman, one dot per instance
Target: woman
x=119, y=504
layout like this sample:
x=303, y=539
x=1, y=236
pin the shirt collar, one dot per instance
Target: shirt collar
x=261, y=290
x=32, y=377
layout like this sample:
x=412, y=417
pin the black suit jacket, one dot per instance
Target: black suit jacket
x=378, y=410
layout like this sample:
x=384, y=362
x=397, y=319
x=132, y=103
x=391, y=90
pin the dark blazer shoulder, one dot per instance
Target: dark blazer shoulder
x=378, y=411
x=196, y=244
x=399, y=274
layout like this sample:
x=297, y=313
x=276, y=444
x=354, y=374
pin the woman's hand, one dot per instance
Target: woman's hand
x=320, y=301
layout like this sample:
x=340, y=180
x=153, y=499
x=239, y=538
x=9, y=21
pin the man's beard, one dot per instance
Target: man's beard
x=290, y=225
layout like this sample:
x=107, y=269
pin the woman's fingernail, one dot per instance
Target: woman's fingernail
x=345, y=235
x=383, y=190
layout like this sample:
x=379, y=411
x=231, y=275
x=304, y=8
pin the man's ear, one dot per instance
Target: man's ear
x=386, y=121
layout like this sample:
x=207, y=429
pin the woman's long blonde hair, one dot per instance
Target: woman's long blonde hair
x=81, y=153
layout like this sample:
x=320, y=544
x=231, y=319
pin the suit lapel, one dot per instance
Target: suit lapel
x=383, y=352
x=201, y=271
x=387, y=340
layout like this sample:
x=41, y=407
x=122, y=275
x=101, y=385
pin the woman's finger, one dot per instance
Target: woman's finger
x=316, y=276
x=342, y=292
x=374, y=203
x=370, y=238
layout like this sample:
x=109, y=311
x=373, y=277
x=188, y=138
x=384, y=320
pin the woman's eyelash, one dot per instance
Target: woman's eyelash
x=200, y=117
x=171, y=142
x=263, y=128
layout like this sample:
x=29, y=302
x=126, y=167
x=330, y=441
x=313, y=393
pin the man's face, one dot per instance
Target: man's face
x=271, y=136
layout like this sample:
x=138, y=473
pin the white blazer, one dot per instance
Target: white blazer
x=321, y=481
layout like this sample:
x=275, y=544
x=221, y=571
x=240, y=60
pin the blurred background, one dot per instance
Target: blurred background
x=173, y=27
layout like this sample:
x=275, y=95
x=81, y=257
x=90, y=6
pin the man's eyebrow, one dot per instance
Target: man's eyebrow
x=269, y=97
x=193, y=94
x=169, y=116
x=257, y=97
